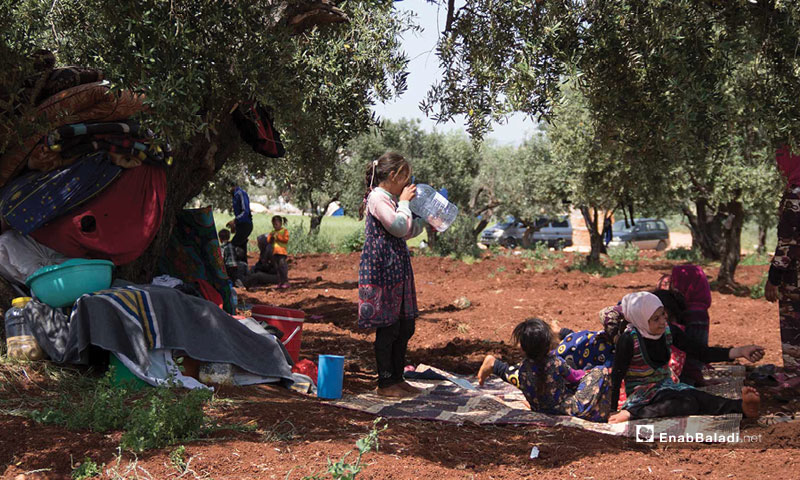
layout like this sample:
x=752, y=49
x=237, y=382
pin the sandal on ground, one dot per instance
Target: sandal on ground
x=774, y=418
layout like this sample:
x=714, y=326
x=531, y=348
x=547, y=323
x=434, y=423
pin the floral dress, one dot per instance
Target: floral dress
x=581, y=394
x=385, y=279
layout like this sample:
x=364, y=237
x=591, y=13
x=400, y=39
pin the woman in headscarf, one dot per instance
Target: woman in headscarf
x=642, y=360
x=691, y=282
x=783, y=284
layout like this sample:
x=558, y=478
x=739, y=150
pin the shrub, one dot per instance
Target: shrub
x=459, y=240
x=623, y=255
x=157, y=418
x=302, y=242
x=684, y=254
x=165, y=417
x=353, y=242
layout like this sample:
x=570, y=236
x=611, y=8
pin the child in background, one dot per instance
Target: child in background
x=548, y=383
x=229, y=255
x=387, y=297
x=279, y=239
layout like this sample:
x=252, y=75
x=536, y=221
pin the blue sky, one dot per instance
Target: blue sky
x=424, y=71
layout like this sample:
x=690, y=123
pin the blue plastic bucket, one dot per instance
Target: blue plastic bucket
x=330, y=376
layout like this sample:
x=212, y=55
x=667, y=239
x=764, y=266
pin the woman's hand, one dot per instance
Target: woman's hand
x=770, y=292
x=409, y=192
x=753, y=353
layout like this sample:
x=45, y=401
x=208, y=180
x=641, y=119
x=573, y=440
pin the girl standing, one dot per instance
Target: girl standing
x=387, y=298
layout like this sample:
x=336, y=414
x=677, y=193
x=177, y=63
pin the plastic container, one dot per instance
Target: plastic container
x=287, y=320
x=216, y=373
x=60, y=285
x=432, y=207
x=123, y=377
x=20, y=343
x=330, y=377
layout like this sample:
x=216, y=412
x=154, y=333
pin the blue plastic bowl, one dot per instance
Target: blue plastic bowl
x=60, y=285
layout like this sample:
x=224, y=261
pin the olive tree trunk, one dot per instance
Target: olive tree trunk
x=717, y=234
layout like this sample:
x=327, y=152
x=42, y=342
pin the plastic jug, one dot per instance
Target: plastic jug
x=432, y=207
x=19, y=338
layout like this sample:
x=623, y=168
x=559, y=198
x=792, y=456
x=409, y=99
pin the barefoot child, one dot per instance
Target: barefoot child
x=548, y=383
x=387, y=298
x=641, y=359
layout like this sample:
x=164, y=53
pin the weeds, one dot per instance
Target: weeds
x=545, y=258
x=177, y=458
x=164, y=418
x=463, y=328
x=282, y=431
x=342, y=470
x=87, y=469
x=757, y=290
x=756, y=259
x=623, y=255
x=159, y=417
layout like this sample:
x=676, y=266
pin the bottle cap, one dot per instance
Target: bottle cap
x=20, y=302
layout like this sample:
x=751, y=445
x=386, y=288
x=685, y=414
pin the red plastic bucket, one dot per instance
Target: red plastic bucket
x=288, y=320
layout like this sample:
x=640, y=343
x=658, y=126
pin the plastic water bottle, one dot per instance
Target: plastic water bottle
x=433, y=208
x=19, y=337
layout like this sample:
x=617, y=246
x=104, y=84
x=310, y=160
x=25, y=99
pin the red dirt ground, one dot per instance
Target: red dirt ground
x=503, y=290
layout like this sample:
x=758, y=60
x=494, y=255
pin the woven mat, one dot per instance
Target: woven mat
x=498, y=403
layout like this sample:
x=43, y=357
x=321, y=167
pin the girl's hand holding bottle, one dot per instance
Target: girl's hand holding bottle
x=409, y=192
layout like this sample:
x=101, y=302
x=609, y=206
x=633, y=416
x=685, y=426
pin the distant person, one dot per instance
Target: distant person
x=265, y=263
x=279, y=240
x=783, y=280
x=548, y=383
x=387, y=298
x=243, y=219
x=608, y=231
x=229, y=257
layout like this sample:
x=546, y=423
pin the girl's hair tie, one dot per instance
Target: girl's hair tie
x=372, y=179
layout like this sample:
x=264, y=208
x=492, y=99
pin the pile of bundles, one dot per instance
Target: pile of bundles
x=89, y=182
x=92, y=182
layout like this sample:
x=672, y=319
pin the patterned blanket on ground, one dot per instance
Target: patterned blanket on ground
x=498, y=403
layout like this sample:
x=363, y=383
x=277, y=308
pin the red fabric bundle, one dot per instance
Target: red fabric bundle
x=117, y=225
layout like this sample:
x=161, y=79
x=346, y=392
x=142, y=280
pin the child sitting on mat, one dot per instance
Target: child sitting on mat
x=548, y=383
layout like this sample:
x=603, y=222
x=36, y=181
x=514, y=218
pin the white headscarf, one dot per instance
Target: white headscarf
x=638, y=308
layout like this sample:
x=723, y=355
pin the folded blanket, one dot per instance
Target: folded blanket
x=33, y=199
x=135, y=319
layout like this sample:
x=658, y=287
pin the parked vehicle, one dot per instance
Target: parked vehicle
x=645, y=233
x=555, y=232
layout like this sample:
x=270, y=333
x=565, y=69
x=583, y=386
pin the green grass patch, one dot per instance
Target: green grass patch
x=756, y=259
